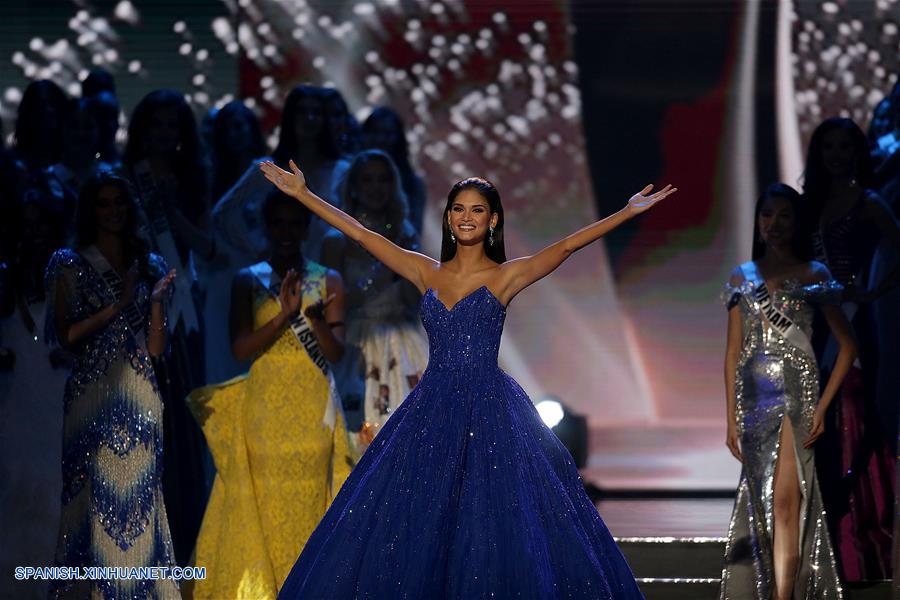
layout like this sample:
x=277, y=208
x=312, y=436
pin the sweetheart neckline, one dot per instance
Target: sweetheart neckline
x=466, y=297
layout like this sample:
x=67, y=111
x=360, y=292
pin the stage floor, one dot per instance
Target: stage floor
x=680, y=518
x=688, y=457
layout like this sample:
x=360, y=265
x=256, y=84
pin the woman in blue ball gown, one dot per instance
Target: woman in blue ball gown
x=465, y=493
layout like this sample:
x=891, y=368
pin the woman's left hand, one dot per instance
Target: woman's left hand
x=641, y=201
x=817, y=428
x=316, y=310
x=159, y=290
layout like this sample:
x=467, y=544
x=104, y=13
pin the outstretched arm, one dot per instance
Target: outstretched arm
x=409, y=265
x=522, y=272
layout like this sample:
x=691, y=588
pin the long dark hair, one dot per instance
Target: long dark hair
x=345, y=142
x=31, y=145
x=801, y=242
x=399, y=151
x=86, y=218
x=816, y=179
x=187, y=161
x=496, y=251
x=287, y=137
x=225, y=161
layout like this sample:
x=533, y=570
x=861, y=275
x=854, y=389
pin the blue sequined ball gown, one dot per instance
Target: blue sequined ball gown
x=464, y=493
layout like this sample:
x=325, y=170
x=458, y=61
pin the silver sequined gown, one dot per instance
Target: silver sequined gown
x=112, y=503
x=775, y=380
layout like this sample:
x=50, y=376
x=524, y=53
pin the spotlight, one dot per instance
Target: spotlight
x=551, y=412
x=570, y=428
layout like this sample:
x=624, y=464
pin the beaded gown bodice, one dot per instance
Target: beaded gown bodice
x=793, y=299
x=466, y=336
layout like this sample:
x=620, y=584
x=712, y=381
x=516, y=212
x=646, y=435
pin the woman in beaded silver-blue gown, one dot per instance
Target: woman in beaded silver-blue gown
x=112, y=504
x=465, y=493
x=778, y=545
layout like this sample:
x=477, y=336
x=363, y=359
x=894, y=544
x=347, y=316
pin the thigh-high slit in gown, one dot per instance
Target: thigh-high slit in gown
x=776, y=386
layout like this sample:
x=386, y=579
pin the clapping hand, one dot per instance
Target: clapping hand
x=316, y=310
x=292, y=184
x=641, y=201
x=290, y=295
x=129, y=283
x=159, y=290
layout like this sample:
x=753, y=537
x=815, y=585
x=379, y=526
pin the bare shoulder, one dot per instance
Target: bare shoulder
x=333, y=281
x=736, y=277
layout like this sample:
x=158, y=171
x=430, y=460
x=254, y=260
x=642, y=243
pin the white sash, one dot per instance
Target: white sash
x=182, y=303
x=132, y=314
x=271, y=281
x=774, y=318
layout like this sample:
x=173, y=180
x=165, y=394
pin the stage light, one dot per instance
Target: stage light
x=570, y=428
x=551, y=412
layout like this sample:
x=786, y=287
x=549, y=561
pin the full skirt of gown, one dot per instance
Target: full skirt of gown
x=465, y=493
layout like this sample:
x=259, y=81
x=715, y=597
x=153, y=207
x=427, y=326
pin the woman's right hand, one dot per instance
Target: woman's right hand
x=290, y=295
x=128, y=286
x=732, y=440
x=292, y=184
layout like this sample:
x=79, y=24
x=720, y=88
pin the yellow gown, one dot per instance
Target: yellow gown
x=278, y=464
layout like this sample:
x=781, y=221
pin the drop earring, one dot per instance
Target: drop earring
x=490, y=236
x=450, y=229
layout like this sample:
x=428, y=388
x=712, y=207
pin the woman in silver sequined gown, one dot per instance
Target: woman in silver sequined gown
x=778, y=545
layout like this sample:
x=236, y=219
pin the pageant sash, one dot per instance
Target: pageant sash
x=776, y=319
x=116, y=286
x=271, y=281
x=182, y=306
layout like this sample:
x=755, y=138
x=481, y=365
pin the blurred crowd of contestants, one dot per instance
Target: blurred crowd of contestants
x=170, y=273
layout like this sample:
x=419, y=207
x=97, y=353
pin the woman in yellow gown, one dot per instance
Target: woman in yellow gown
x=277, y=434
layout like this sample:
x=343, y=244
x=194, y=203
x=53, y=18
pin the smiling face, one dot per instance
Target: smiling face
x=776, y=221
x=111, y=209
x=469, y=217
x=286, y=229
